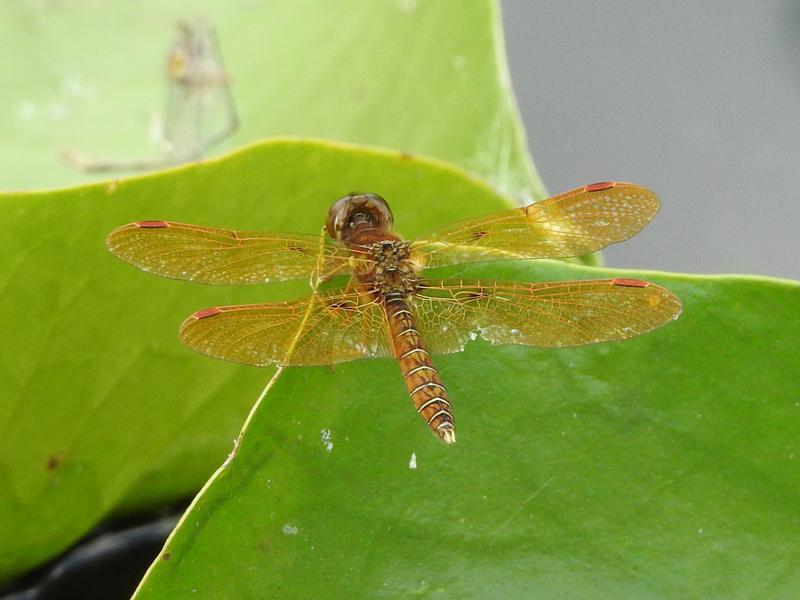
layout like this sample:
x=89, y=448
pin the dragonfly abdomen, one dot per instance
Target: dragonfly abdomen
x=422, y=379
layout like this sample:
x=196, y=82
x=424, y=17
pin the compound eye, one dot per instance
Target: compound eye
x=339, y=216
x=379, y=210
x=346, y=212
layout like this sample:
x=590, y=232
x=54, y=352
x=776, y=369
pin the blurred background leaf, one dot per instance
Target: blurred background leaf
x=422, y=77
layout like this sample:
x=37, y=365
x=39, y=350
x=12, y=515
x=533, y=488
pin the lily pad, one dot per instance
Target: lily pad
x=660, y=466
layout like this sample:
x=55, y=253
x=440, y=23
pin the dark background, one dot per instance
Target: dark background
x=699, y=101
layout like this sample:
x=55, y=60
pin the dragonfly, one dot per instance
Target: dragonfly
x=392, y=305
x=200, y=111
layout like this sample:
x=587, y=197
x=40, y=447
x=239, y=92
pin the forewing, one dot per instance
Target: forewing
x=547, y=315
x=221, y=256
x=318, y=330
x=578, y=222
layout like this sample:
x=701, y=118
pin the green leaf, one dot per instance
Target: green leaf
x=101, y=404
x=423, y=77
x=661, y=466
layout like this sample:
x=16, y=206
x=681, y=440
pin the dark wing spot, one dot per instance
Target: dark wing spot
x=298, y=249
x=206, y=313
x=630, y=283
x=152, y=224
x=165, y=556
x=476, y=235
x=599, y=187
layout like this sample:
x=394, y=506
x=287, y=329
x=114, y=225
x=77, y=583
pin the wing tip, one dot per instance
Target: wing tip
x=602, y=186
x=661, y=295
x=111, y=240
x=186, y=329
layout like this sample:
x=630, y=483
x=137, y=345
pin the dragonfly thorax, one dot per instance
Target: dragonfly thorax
x=391, y=268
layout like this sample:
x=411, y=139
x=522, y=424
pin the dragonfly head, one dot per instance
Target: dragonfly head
x=356, y=211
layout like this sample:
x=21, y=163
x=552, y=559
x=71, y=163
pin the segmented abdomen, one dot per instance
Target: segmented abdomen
x=422, y=379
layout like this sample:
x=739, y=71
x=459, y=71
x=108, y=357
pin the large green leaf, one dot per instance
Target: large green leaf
x=97, y=391
x=661, y=466
x=422, y=77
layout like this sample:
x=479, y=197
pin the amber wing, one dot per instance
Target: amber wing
x=322, y=329
x=578, y=222
x=222, y=256
x=570, y=313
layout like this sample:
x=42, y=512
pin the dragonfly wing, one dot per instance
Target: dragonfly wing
x=575, y=223
x=200, y=110
x=225, y=257
x=322, y=329
x=570, y=313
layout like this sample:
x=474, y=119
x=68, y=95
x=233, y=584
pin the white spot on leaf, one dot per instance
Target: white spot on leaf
x=325, y=435
x=290, y=529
